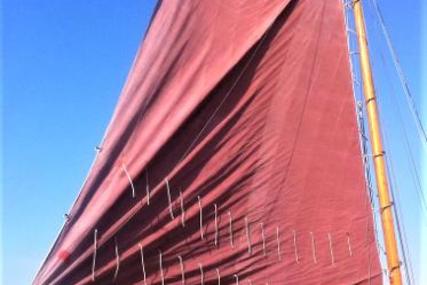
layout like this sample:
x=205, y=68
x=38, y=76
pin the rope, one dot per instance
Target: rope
x=141, y=250
x=295, y=246
x=264, y=250
x=202, y=276
x=279, y=254
x=202, y=236
x=248, y=235
x=95, y=246
x=331, y=250
x=181, y=265
x=147, y=187
x=116, y=250
x=216, y=224
x=168, y=189
x=130, y=180
x=181, y=198
x=313, y=247
x=230, y=228
x=218, y=276
x=162, y=274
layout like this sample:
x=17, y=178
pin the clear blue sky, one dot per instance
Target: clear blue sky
x=64, y=64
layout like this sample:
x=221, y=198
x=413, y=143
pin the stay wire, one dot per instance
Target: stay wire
x=415, y=172
x=396, y=211
x=403, y=80
x=393, y=181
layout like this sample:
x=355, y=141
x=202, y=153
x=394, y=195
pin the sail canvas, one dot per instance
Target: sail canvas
x=233, y=156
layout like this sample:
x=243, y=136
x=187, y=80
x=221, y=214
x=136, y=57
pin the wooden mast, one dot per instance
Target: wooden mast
x=385, y=202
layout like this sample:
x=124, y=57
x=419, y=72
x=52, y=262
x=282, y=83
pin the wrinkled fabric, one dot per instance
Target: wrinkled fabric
x=237, y=133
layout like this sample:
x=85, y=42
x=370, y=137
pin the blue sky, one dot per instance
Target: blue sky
x=64, y=64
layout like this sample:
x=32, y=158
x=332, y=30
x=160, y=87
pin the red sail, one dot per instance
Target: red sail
x=233, y=156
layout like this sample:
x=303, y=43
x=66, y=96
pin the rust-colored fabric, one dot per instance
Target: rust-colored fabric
x=239, y=117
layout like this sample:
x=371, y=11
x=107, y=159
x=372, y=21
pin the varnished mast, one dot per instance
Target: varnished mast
x=385, y=202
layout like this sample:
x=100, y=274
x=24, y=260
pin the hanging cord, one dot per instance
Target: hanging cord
x=313, y=247
x=236, y=277
x=218, y=276
x=216, y=224
x=331, y=250
x=279, y=254
x=95, y=247
x=116, y=250
x=264, y=249
x=202, y=275
x=403, y=81
x=294, y=234
x=141, y=250
x=248, y=235
x=162, y=274
x=230, y=229
x=181, y=202
x=202, y=236
x=147, y=187
x=129, y=178
x=168, y=189
x=181, y=265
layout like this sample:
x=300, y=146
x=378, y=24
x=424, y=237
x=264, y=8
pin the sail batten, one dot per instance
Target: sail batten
x=240, y=114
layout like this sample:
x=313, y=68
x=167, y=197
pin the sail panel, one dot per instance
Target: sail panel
x=233, y=154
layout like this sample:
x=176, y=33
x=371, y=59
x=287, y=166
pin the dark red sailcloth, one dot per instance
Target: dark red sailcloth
x=233, y=157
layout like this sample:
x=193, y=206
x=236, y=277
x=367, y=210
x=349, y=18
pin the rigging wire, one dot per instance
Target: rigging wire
x=400, y=226
x=358, y=98
x=415, y=172
x=403, y=80
x=393, y=182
